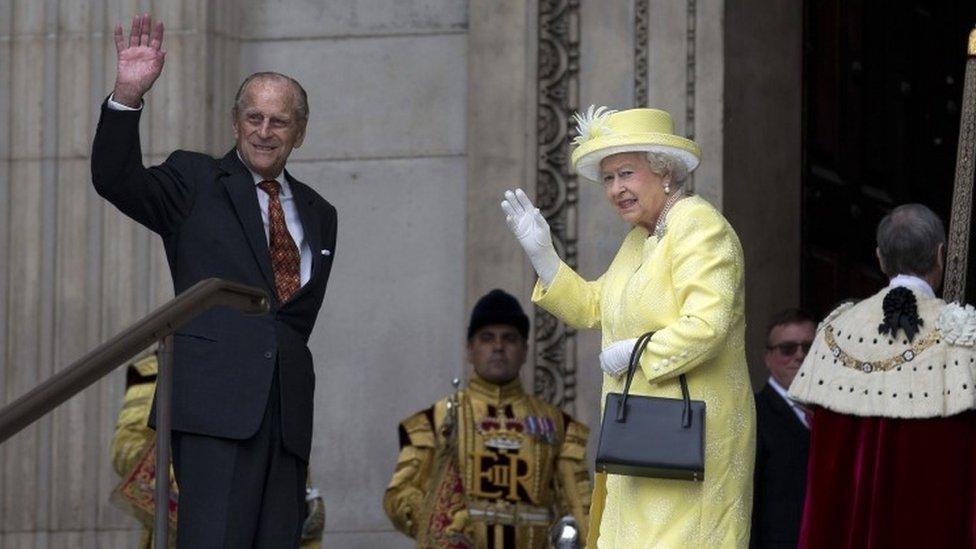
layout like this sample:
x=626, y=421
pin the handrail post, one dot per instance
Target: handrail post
x=164, y=403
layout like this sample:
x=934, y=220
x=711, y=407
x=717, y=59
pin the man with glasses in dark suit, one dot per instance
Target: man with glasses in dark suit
x=782, y=436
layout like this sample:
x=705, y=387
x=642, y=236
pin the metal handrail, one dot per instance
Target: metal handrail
x=158, y=325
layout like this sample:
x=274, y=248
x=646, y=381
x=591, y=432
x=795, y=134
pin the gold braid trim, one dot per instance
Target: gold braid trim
x=879, y=365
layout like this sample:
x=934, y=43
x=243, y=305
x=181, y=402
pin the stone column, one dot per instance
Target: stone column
x=385, y=144
x=523, y=85
x=501, y=142
x=501, y=149
x=684, y=77
x=75, y=271
x=763, y=105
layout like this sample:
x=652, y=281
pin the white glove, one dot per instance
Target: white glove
x=532, y=231
x=615, y=359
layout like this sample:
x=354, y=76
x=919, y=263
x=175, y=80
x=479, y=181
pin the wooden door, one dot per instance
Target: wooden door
x=882, y=86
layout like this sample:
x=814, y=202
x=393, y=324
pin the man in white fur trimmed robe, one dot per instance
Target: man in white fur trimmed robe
x=891, y=381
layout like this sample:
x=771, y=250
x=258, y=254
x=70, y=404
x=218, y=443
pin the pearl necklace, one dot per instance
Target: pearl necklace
x=662, y=226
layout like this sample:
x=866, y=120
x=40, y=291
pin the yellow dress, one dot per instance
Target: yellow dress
x=688, y=288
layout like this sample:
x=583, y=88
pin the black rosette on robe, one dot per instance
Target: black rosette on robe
x=900, y=313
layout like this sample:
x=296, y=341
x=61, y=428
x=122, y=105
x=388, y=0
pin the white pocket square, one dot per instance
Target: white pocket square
x=326, y=252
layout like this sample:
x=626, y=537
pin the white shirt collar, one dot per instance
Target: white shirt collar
x=779, y=389
x=799, y=412
x=912, y=283
x=281, y=179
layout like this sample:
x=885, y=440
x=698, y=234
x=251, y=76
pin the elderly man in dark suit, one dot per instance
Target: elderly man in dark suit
x=242, y=386
x=782, y=435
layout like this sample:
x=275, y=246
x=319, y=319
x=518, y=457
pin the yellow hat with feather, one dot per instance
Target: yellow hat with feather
x=604, y=132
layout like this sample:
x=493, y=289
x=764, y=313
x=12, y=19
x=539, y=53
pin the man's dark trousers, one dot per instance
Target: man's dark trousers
x=221, y=507
x=228, y=367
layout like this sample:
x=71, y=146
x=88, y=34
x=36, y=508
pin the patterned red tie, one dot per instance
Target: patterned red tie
x=285, y=259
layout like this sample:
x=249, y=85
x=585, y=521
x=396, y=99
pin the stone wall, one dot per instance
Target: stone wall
x=386, y=141
x=422, y=113
x=762, y=149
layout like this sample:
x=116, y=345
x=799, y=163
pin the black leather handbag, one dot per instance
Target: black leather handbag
x=652, y=436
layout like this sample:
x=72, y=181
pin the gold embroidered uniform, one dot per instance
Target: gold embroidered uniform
x=490, y=467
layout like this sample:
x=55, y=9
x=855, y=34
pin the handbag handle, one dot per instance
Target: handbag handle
x=635, y=355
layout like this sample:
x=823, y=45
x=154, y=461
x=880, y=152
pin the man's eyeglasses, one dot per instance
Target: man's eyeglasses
x=788, y=348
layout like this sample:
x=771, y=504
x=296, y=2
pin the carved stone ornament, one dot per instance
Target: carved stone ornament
x=641, y=47
x=557, y=187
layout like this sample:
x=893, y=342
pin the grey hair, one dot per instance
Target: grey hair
x=301, y=97
x=909, y=239
x=664, y=164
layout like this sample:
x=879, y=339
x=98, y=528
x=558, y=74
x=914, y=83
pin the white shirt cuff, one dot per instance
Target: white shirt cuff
x=116, y=106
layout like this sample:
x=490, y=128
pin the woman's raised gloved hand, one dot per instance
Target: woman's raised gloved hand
x=532, y=231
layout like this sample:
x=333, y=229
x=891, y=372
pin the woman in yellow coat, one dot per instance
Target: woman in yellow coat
x=678, y=273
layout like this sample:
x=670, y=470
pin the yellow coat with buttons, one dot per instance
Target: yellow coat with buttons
x=687, y=287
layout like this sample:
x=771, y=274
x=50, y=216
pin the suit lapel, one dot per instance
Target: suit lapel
x=240, y=187
x=783, y=409
x=310, y=223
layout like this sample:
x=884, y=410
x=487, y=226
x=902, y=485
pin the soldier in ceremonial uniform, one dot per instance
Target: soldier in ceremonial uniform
x=134, y=459
x=490, y=466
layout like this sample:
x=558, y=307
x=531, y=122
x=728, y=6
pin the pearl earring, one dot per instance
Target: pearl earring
x=667, y=188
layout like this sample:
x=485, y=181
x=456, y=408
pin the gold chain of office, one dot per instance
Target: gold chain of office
x=878, y=365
